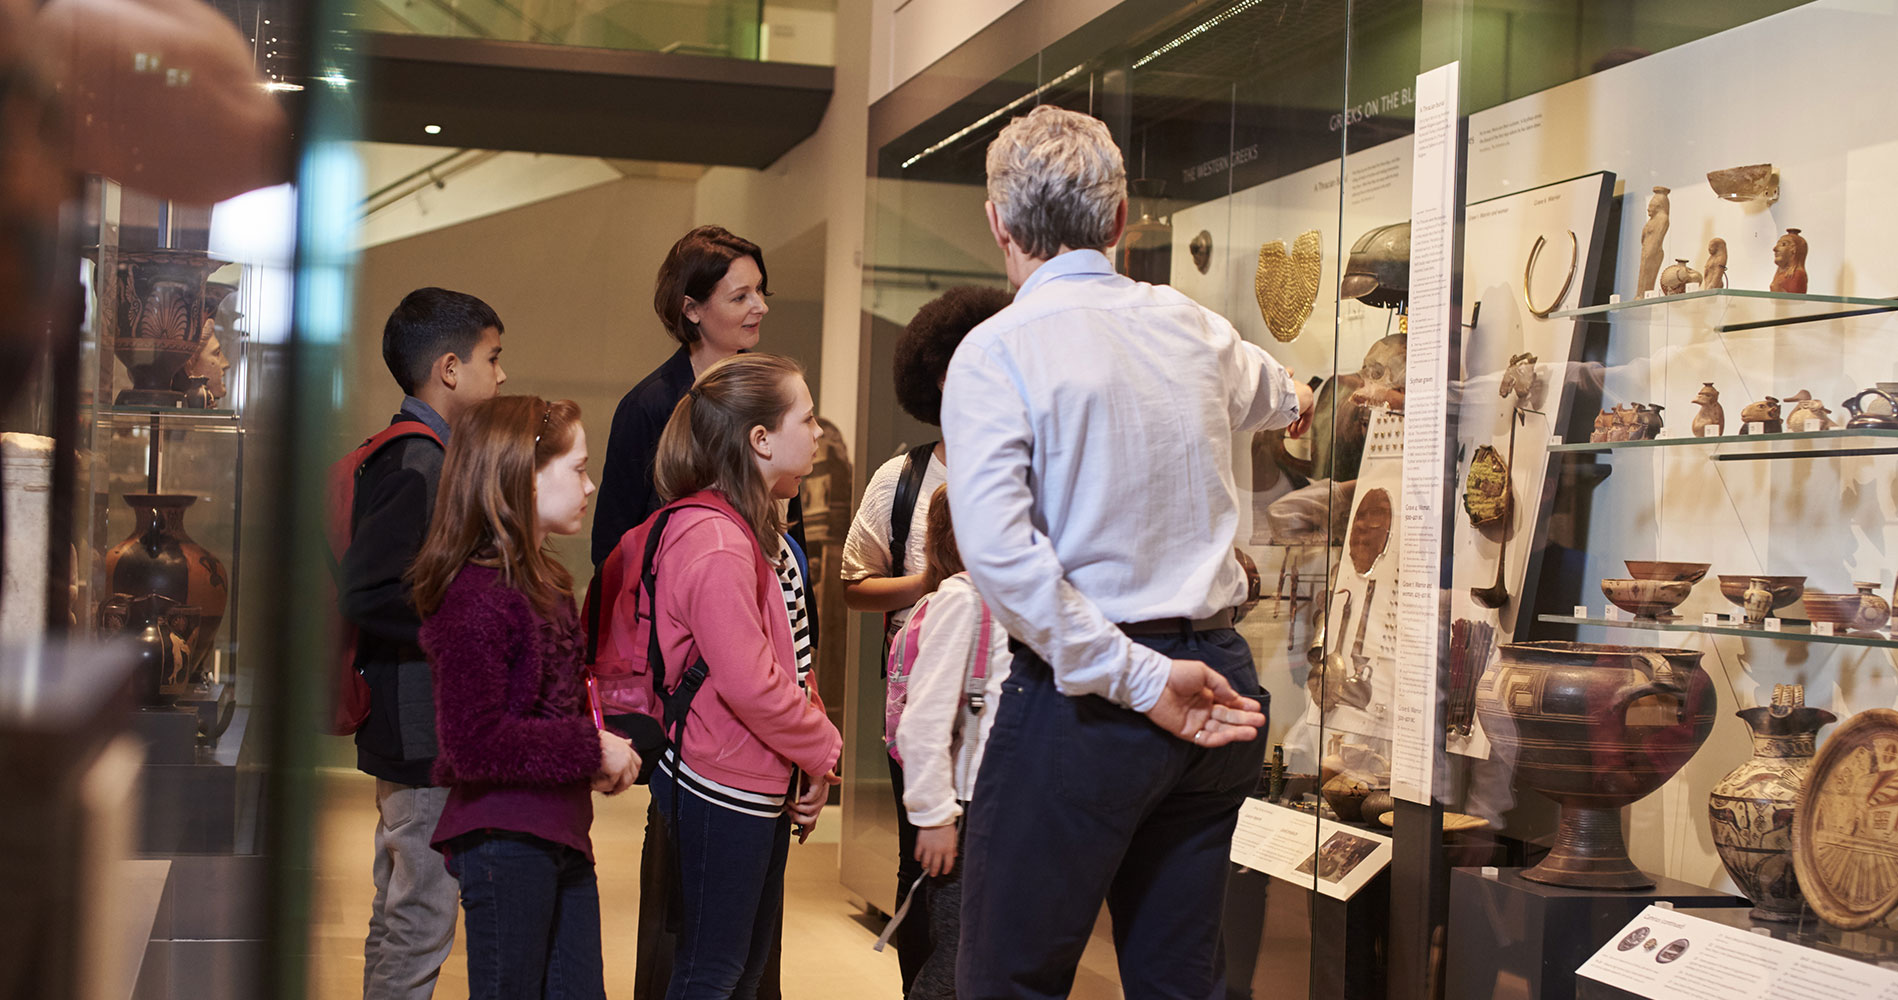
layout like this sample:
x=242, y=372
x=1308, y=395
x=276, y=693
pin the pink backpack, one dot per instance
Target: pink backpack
x=903, y=650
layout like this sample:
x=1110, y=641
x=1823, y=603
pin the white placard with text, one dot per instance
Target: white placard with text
x=1671, y=955
x=1434, y=161
x=1285, y=844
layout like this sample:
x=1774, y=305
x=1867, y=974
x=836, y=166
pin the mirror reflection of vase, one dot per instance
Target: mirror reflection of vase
x=161, y=558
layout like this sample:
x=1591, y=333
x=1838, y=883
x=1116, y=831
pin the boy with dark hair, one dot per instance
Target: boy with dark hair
x=444, y=349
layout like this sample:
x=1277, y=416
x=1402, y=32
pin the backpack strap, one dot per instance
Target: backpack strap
x=975, y=696
x=677, y=703
x=909, y=490
x=344, y=528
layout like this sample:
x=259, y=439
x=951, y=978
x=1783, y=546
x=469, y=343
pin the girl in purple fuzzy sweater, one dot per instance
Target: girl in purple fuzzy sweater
x=519, y=747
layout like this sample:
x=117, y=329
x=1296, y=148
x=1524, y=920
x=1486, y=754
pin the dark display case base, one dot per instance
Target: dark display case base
x=1513, y=937
x=196, y=799
x=1282, y=940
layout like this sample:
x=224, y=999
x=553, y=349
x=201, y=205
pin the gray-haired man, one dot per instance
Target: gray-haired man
x=1095, y=508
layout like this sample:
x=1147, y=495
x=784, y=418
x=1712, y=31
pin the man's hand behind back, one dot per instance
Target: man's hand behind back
x=1200, y=706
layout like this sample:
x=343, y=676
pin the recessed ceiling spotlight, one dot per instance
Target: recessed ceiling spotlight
x=432, y=129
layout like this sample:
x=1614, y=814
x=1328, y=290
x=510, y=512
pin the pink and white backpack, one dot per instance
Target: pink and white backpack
x=903, y=650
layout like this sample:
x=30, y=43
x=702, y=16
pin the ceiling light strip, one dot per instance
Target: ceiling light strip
x=1205, y=26
x=997, y=113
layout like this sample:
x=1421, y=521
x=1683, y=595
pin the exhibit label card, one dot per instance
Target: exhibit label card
x=1434, y=157
x=1286, y=844
x=1670, y=955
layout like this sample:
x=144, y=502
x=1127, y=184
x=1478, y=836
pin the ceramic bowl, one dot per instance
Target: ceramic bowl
x=1346, y=794
x=1648, y=599
x=1656, y=569
x=1859, y=612
x=1786, y=589
x=1753, y=182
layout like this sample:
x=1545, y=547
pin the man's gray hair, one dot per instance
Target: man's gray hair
x=1056, y=179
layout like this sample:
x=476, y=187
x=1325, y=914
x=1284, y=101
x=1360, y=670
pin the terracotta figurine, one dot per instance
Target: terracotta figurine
x=1808, y=414
x=1519, y=378
x=1765, y=413
x=1675, y=279
x=1647, y=422
x=1627, y=426
x=1604, y=425
x=1652, y=233
x=1789, y=262
x=1713, y=274
x=1711, y=414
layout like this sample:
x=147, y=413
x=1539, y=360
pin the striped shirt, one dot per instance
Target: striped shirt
x=797, y=608
x=719, y=794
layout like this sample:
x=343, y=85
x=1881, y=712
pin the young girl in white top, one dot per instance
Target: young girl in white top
x=942, y=732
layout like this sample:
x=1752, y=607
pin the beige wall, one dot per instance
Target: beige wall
x=571, y=278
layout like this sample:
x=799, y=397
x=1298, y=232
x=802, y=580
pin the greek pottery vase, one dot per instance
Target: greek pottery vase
x=157, y=627
x=1677, y=276
x=156, y=321
x=1751, y=809
x=161, y=558
x=1595, y=727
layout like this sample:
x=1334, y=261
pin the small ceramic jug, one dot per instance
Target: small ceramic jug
x=1757, y=602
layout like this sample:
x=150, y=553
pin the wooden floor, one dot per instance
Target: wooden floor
x=827, y=938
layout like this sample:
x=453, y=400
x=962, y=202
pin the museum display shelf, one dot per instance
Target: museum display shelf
x=1731, y=310
x=1790, y=630
x=1841, y=442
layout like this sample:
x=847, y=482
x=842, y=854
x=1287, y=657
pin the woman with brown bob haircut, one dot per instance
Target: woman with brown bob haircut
x=710, y=298
x=728, y=603
x=519, y=745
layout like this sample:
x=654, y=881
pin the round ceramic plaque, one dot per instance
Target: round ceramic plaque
x=1845, y=827
x=1370, y=530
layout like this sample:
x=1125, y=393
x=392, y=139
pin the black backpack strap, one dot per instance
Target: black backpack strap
x=679, y=701
x=909, y=489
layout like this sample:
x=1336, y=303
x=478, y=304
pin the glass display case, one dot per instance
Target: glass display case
x=163, y=454
x=1588, y=544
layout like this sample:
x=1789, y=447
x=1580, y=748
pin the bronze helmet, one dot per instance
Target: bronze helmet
x=1378, y=270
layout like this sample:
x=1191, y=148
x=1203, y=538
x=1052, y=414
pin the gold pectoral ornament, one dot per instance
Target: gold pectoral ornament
x=1287, y=283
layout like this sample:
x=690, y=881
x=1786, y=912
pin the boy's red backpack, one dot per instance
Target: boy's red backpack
x=349, y=703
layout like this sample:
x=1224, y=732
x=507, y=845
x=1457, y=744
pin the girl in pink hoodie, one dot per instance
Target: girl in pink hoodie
x=758, y=753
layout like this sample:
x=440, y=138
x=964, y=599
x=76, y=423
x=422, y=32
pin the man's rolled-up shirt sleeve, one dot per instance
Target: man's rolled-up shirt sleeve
x=1264, y=396
x=989, y=437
